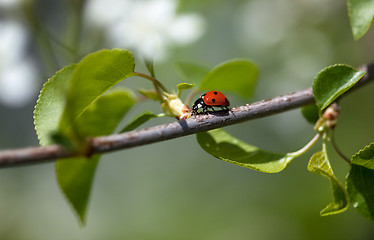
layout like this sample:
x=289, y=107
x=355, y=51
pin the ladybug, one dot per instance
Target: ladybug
x=210, y=100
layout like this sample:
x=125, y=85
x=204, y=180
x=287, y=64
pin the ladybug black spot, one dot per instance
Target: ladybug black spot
x=226, y=100
x=215, y=93
x=213, y=100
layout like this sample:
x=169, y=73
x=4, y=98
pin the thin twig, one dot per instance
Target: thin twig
x=199, y=123
x=337, y=149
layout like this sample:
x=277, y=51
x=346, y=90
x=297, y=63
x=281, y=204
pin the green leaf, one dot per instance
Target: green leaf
x=310, y=113
x=332, y=82
x=191, y=72
x=238, y=75
x=93, y=76
x=230, y=149
x=103, y=116
x=319, y=163
x=150, y=94
x=365, y=157
x=361, y=14
x=63, y=140
x=183, y=86
x=360, y=187
x=51, y=103
x=139, y=120
x=75, y=175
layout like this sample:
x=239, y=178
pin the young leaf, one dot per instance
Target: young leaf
x=360, y=187
x=139, y=120
x=51, y=103
x=361, y=14
x=94, y=75
x=319, y=163
x=75, y=175
x=310, y=113
x=332, y=82
x=238, y=75
x=191, y=72
x=227, y=148
x=183, y=86
x=365, y=157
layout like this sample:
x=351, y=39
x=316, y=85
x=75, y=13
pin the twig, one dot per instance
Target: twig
x=337, y=149
x=199, y=123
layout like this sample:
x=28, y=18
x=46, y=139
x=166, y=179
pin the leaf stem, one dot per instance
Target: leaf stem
x=151, y=69
x=306, y=147
x=154, y=80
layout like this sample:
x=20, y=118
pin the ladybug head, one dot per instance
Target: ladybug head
x=198, y=104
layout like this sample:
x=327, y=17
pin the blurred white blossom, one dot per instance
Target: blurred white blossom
x=10, y=4
x=149, y=27
x=286, y=30
x=265, y=22
x=17, y=72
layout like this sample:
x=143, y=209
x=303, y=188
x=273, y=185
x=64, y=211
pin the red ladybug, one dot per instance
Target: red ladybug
x=210, y=100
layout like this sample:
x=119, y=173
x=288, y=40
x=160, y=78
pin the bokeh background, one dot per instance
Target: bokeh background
x=173, y=189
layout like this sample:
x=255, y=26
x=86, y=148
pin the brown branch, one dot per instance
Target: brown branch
x=172, y=130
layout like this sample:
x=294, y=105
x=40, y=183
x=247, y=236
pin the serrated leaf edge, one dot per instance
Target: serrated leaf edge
x=42, y=91
x=360, y=151
x=343, y=90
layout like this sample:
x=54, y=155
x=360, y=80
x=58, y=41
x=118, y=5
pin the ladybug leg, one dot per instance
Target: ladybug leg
x=224, y=108
x=211, y=108
x=205, y=109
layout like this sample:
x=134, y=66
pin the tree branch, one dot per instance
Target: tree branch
x=195, y=124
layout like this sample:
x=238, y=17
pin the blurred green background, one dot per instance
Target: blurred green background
x=173, y=189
